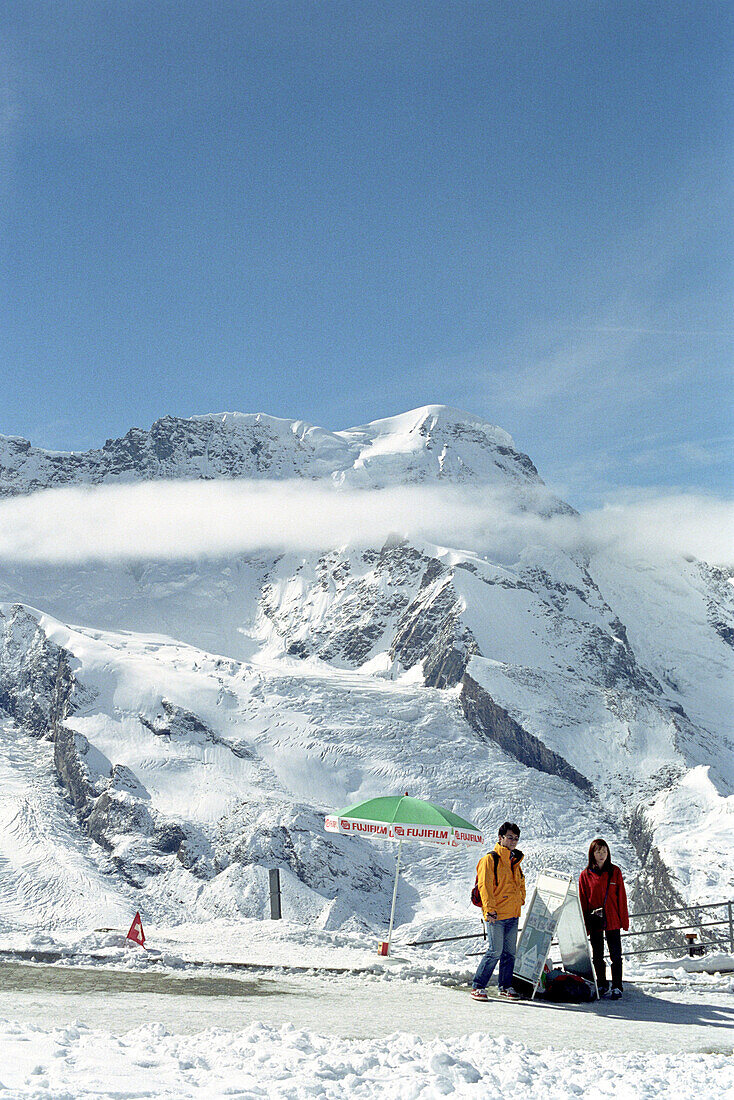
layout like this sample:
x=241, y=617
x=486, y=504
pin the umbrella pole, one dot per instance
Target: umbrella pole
x=394, y=896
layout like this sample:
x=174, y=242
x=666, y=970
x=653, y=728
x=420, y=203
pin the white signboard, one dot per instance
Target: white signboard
x=572, y=939
x=554, y=912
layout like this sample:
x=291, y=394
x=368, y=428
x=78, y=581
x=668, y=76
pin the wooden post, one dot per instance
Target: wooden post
x=275, y=913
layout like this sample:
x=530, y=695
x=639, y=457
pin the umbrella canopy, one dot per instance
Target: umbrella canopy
x=399, y=817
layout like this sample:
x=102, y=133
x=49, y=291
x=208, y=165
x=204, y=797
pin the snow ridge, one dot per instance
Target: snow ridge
x=427, y=444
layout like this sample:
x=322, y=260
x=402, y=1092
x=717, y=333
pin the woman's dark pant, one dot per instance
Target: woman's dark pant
x=614, y=943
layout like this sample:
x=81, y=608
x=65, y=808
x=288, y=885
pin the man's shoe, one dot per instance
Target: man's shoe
x=603, y=990
x=479, y=995
x=510, y=994
x=616, y=993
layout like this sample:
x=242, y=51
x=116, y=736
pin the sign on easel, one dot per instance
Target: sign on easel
x=554, y=912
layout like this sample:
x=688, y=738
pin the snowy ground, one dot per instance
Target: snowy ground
x=115, y=1021
x=283, y=1061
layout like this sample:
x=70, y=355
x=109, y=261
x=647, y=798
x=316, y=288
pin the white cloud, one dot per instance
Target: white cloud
x=638, y=330
x=170, y=520
x=603, y=371
x=682, y=524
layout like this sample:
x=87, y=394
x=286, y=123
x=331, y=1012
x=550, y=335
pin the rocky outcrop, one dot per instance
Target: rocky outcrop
x=174, y=447
x=431, y=630
x=495, y=724
x=70, y=752
x=609, y=652
x=600, y=635
x=653, y=890
x=448, y=655
x=720, y=601
x=114, y=808
x=178, y=723
x=346, y=606
x=116, y=814
x=36, y=683
x=39, y=691
x=396, y=599
x=292, y=838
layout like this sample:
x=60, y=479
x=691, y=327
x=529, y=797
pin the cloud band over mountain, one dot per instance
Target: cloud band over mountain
x=188, y=520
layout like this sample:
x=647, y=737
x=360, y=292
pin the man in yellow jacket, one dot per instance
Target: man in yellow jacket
x=502, y=890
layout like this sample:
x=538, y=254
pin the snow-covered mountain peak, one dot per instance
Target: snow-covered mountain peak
x=435, y=441
x=432, y=443
x=427, y=421
x=205, y=713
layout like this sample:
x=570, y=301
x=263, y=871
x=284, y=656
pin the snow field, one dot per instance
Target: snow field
x=74, y=1062
x=301, y=741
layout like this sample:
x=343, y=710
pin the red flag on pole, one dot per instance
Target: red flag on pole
x=136, y=933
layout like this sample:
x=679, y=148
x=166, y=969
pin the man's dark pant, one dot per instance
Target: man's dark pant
x=501, y=945
x=614, y=942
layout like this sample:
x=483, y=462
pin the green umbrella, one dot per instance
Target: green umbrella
x=398, y=817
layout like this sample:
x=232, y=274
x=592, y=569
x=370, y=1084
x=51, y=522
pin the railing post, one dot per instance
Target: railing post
x=731, y=927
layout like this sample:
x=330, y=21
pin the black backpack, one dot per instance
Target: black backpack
x=571, y=988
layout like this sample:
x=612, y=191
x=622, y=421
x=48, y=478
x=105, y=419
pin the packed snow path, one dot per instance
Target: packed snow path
x=355, y=1007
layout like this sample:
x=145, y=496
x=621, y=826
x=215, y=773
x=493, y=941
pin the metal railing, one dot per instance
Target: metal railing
x=699, y=941
x=694, y=926
x=450, y=939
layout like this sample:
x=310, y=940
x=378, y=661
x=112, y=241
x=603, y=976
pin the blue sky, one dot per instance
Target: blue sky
x=339, y=211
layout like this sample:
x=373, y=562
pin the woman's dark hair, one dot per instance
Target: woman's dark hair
x=509, y=827
x=594, y=848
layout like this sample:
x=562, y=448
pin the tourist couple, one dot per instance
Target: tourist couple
x=501, y=886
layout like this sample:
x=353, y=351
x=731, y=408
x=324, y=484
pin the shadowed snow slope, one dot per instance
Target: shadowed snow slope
x=201, y=716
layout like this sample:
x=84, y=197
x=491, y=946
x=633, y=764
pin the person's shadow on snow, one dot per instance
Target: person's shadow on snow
x=637, y=1005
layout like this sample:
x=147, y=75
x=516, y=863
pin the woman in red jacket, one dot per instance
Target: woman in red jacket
x=604, y=904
